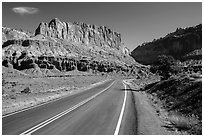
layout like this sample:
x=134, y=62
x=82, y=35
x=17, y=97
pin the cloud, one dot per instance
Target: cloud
x=25, y=10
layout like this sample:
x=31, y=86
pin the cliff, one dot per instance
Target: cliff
x=81, y=33
x=65, y=47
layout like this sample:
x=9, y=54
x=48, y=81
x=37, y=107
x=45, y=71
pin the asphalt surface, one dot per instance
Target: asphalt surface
x=96, y=111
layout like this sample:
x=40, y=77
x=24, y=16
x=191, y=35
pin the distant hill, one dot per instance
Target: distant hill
x=178, y=44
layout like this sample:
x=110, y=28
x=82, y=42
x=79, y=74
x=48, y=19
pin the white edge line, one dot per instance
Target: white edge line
x=43, y=103
x=121, y=113
x=46, y=122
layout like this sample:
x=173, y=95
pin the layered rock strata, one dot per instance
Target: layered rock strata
x=81, y=33
x=65, y=47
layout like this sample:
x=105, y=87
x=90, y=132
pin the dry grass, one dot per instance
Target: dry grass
x=185, y=124
x=181, y=123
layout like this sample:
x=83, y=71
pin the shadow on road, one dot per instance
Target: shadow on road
x=129, y=89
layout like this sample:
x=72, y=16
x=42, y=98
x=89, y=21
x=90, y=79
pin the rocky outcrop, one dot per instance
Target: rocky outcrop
x=176, y=44
x=126, y=51
x=65, y=64
x=11, y=34
x=80, y=33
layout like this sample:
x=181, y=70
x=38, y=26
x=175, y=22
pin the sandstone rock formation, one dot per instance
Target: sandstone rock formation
x=67, y=46
x=11, y=34
x=126, y=51
x=176, y=44
x=81, y=33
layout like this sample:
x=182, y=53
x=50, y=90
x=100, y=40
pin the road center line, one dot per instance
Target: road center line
x=44, y=103
x=121, y=113
x=46, y=122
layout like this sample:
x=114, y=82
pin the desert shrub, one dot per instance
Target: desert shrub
x=13, y=91
x=12, y=96
x=188, y=124
x=26, y=90
x=165, y=66
x=181, y=123
x=3, y=82
x=3, y=91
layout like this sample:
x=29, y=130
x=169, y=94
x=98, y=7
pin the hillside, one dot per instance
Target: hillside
x=177, y=44
x=177, y=98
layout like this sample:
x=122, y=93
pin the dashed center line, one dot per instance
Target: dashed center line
x=46, y=122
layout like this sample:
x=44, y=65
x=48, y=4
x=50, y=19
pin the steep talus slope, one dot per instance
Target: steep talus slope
x=176, y=44
x=65, y=47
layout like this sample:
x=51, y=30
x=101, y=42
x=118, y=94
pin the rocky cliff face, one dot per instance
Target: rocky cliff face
x=67, y=46
x=80, y=33
x=176, y=44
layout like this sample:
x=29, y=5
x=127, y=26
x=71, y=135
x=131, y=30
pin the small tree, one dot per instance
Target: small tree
x=165, y=66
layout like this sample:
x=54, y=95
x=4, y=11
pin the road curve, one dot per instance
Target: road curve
x=95, y=111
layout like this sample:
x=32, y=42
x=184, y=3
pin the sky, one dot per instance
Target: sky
x=136, y=22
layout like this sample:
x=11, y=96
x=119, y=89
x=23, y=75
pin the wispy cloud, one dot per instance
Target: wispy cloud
x=25, y=10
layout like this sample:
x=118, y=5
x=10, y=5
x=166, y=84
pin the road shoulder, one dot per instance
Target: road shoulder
x=148, y=122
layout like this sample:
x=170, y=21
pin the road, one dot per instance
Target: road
x=105, y=109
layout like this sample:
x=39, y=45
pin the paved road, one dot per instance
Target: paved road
x=104, y=109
